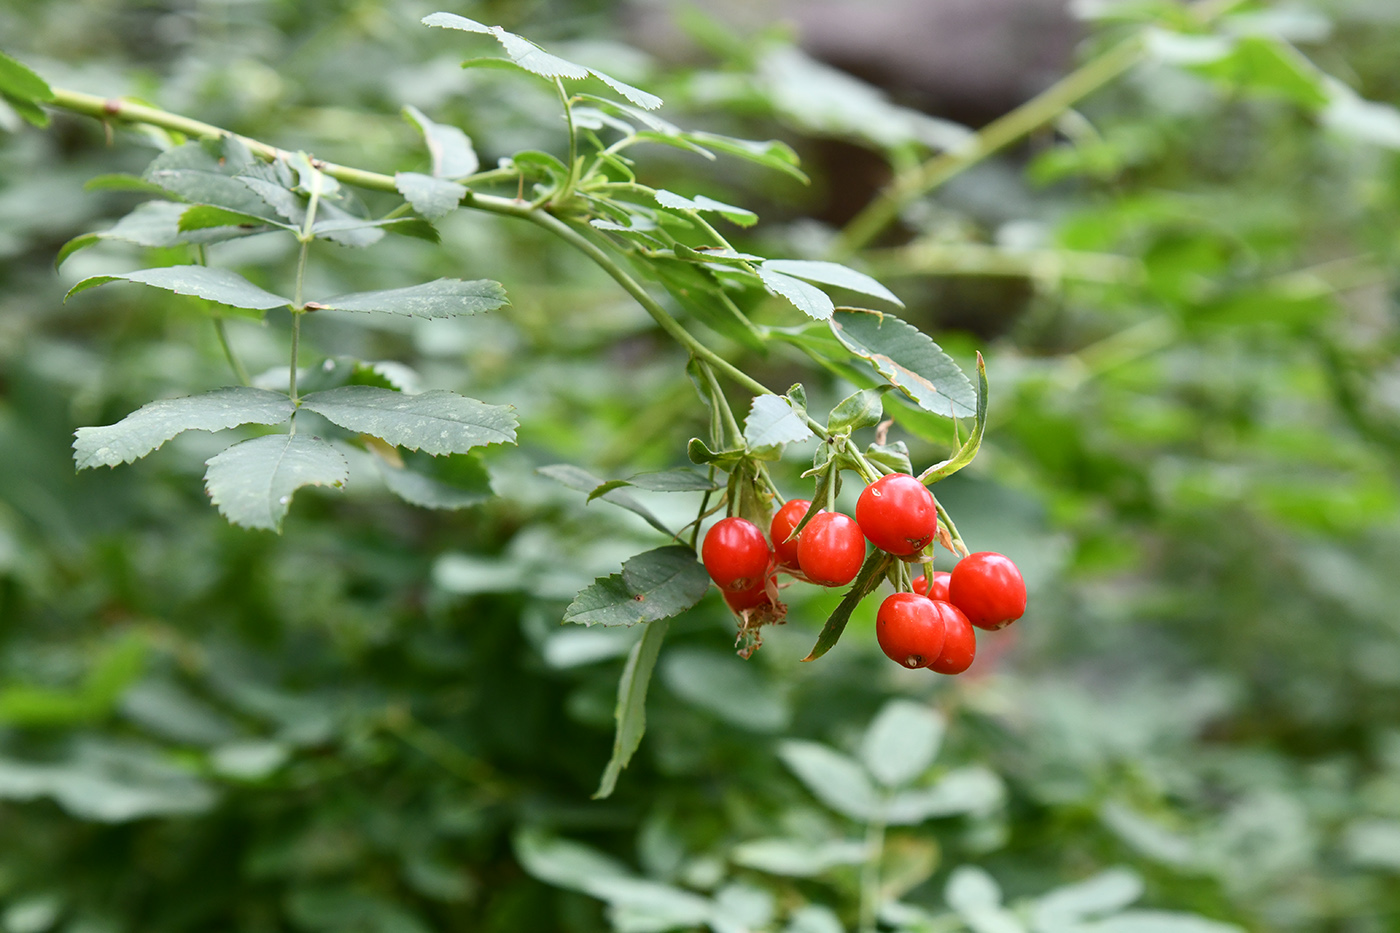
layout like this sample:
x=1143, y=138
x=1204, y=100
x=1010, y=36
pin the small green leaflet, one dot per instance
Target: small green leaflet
x=436, y=422
x=537, y=61
x=657, y=584
x=252, y=482
x=771, y=153
x=470, y=488
x=219, y=285
x=434, y=198
x=772, y=421
x=974, y=441
x=449, y=148
x=436, y=299
x=583, y=481
x=681, y=480
x=871, y=573
x=631, y=710
x=152, y=223
x=153, y=424
x=833, y=273
x=700, y=203
x=864, y=409
x=808, y=299
x=909, y=359
x=207, y=216
x=22, y=89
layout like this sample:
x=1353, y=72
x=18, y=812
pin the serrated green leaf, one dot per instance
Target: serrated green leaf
x=434, y=198
x=208, y=187
x=909, y=359
x=902, y=741
x=277, y=196
x=808, y=299
x=437, y=299
x=771, y=153
x=832, y=777
x=862, y=409
x=205, y=216
x=252, y=482
x=220, y=285
x=697, y=290
x=580, y=479
x=153, y=224
x=361, y=232
x=739, y=215
x=657, y=584
x=968, y=450
x=19, y=83
x=895, y=456
x=833, y=273
x=436, y=422
x=772, y=422
x=630, y=712
x=871, y=573
x=453, y=21
x=681, y=480
x=641, y=98
x=153, y=424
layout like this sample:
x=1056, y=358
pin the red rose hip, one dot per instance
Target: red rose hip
x=989, y=590
x=735, y=554
x=910, y=629
x=897, y=514
x=831, y=549
x=939, y=590
x=959, y=640
x=784, y=521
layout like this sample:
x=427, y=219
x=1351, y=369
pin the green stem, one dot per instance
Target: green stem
x=573, y=143
x=234, y=363
x=870, y=875
x=911, y=185
x=732, y=435
x=958, y=545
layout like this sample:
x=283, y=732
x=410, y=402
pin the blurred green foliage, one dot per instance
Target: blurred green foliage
x=374, y=722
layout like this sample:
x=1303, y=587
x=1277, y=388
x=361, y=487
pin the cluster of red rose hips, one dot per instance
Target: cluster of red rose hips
x=932, y=626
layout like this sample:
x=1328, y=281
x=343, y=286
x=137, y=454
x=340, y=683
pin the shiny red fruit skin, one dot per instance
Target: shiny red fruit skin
x=940, y=585
x=784, y=521
x=897, y=514
x=989, y=590
x=735, y=554
x=910, y=629
x=831, y=549
x=959, y=639
x=751, y=598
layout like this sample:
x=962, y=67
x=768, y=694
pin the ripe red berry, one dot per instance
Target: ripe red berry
x=989, y=590
x=784, y=521
x=735, y=554
x=959, y=640
x=909, y=629
x=939, y=589
x=897, y=514
x=831, y=549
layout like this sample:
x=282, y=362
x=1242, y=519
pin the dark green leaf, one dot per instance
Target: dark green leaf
x=20, y=83
x=871, y=573
x=657, y=584
x=436, y=422
x=252, y=482
x=909, y=359
x=681, y=480
x=631, y=710
x=701, y=454
x=437, y=299
x=204, y=187
x=583, y=481
x=698, y=291
x=204, y=216
x=153, y=424
x=469, y=484
x=218, y=285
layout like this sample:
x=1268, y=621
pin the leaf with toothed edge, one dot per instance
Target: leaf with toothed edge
x=436, y=422
x=908, y=358
x=449, y=147
x=808, y=299
x=252, y=482
x=434, y=198
x=153, y=424
x=654, y=585
x=833, y=273
x=439, y=298
x=974, y=441
x=219, y=285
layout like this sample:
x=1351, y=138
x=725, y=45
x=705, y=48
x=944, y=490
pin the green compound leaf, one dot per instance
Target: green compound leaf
x=583, y=481
x=436, y=422
x=808, y=299
x=151, y=425
x=657, y=584
x=631, y=710
x=833, y=273
x=871, y=573
x=741, y=216
x=434, y=198
x=909, y=359
x=437, y=299
x=252, y=482
x=772, y=421
x=449, y=148
x=219, y=285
